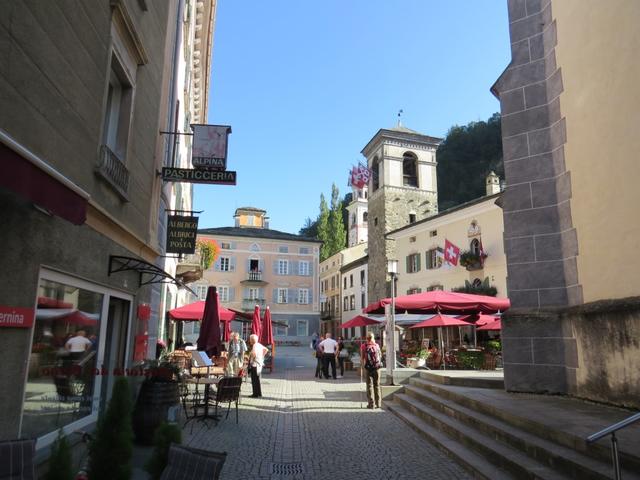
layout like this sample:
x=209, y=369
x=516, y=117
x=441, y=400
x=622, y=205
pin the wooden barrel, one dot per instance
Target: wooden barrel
x=152, y=408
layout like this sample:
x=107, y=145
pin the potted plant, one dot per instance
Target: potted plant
x=158, y=394
x=472, y=260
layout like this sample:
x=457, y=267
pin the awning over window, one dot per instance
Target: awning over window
x=33, y=179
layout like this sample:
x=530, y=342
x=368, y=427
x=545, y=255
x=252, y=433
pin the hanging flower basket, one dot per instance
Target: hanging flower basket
x=471, y=260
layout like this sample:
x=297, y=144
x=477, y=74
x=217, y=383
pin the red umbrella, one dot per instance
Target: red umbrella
x=439, y=300
x=441, y=321
x=484, y=319
x=209, y=339
x=226, y=333
x=79, y=318
x=256, y=326
x=497, y=325
x=266, y=336
x=360, y=321
x=193, y=312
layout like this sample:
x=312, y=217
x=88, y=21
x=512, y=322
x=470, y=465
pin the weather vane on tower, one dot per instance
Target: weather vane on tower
x=400, y=112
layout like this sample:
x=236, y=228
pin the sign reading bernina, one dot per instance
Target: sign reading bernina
x=181, y=234
x=17, y=317
x=210, y=146
x=185, y=175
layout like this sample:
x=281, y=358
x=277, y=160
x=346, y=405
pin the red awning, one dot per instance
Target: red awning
x=446, y=302
x=360, y=321
x=28, y=179
x=193, y=313
x=497, y=325
x=441, y=321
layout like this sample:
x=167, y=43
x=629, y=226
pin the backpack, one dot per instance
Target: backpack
x=372, y=359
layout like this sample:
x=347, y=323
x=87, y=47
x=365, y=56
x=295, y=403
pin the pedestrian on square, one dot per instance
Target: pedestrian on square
x=256, y=362
x=319, y=361
x=343, y=353
x=371, y=360
x=236, y=351
x=329, y=349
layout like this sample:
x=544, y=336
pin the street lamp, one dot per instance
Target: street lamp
x=392, y=270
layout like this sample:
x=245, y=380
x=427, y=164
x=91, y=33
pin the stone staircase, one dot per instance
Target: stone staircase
x=498, y=435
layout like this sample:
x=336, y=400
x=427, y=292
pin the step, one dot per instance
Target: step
x=470, y=398
x=503, y=456
x=554, y=456
x=475, y=381
x=480, y=467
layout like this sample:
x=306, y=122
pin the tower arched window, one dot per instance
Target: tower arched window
x=475, y=246
x=365, y=217
x=409, y=170
x=375, y=174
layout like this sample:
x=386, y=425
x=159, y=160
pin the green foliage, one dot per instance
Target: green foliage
x=209, y=250
x=484, y=289
x=165, y=435
x=470, y=360
x=469, y=258
x=465, y=157
x=60, y=460
x=111, y=450
x=338, y=238
x=310, y=228
x=423, y=354
x=323, y=229
x=494, y=346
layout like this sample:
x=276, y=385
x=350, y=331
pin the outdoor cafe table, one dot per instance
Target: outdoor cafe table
x=207, y=382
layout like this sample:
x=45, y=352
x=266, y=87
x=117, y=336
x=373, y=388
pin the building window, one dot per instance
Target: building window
x=283, y=249
x=304, y=250
x=251, y=220
x=365, y=217
x=352, y=302
x=225, y=245
x=434, y=258
x=476, y=283
x=435, y=286
x=303, y=296
x=362, y=300
x=433, y=233
x=282, y=295
x=409, y=170
x=474, y=246
x=412, y=239
x=254, y=293
x=225, y=264
x=375, y=222
x=411, y=291
x=201, y=291
x=375, y=174
x=283, y=267
x=362, y=278
x=282, y=331
x=302, y=329
x=413, y=263
x=333, y=283
x=345, y=303
x=118, y=110
x=303, y=268
x=345, y=283
x=351, y=280
x=223, y=293
x=412, y=218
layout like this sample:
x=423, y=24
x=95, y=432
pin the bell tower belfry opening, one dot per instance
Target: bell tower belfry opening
x=403, y=189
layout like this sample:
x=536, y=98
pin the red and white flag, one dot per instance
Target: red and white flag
x=451, y=253
x=359, y=176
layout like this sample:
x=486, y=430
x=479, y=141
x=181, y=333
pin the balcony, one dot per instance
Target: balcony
x=255, y=278
x=189, y=268
x=114, y=172
x=249, y=303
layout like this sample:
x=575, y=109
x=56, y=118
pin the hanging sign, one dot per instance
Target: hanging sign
x=209, y=148
x=181, y=234
x=16, y=317
x=184, y=175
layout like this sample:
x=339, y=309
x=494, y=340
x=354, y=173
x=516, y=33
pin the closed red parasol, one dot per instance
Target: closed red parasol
x=266, y=336
x=441, y=301
x=256, y=326
x=209, y=339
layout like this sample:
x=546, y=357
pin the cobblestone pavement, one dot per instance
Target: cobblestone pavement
x=305, y=428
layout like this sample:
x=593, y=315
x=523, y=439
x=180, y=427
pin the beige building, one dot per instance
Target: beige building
x=330, y=297
x=353, y=286
x=570, y=107
x=472, y=226
x=260, y=266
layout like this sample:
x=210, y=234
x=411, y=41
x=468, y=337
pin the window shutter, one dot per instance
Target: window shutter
x=292, y=295
x=245, y=293
x=293, y=265
x=418, y=257
x=310, y=297
x=261, y=265
x=232, y=264
x=275, y=295
x=275, y=267
x=408, y=259
x=310, y=268
x=248, y=269
x=261, y=293
x=232, y=245
x=216, y=266
x=232, y=294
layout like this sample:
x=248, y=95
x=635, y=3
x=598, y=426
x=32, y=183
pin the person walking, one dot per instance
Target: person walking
x=329, y=350
x=371, y=360
x=256, y=362
x=319, y=361
x=342, y=354
x=236, y=351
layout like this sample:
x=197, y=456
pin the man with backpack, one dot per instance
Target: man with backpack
x=371, y=361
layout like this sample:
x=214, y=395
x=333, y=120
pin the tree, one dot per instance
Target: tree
x=465, y=157
x=324, y=235
x=338, y=237
x=310, y=228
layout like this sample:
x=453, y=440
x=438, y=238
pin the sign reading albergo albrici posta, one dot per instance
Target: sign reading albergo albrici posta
x=209, y=148
x=181, y=234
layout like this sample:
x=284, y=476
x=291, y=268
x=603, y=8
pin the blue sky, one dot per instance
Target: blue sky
x=305, y=84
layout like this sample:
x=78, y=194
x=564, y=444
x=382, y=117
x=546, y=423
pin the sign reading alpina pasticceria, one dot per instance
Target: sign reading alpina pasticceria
x=181, y=234
x=226, y=177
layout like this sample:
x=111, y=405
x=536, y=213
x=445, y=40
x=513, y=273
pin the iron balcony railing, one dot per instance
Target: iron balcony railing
x=114, y=171
x=249, y=303
x=254, y=276
x=611, y=430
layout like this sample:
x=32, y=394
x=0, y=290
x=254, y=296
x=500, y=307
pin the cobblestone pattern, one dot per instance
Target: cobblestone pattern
x=304, y=428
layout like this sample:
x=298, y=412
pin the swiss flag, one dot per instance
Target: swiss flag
x=451, y=253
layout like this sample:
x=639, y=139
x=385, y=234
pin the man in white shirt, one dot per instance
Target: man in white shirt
x=78, y=345
x=256, y=362
x=329, y=349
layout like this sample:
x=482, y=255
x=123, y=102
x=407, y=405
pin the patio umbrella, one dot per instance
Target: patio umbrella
x=441, y=301
x=360, y=321
x=256, y=325
x=484, y=319
x=440, y=321
x=266, y=336
x=193, y=312
x=226, y=333
x=209, y=339
x=497, y=325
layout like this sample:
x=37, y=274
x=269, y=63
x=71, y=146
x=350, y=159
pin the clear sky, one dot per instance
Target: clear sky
x=305, y=84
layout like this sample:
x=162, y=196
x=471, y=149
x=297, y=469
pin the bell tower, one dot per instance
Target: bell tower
x=358, y=216
x=403, y=189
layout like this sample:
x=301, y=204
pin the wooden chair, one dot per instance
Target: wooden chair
x=434, y=361
x=228, y=391
x=489, y=361
x=16, y=459
x=187, y=463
